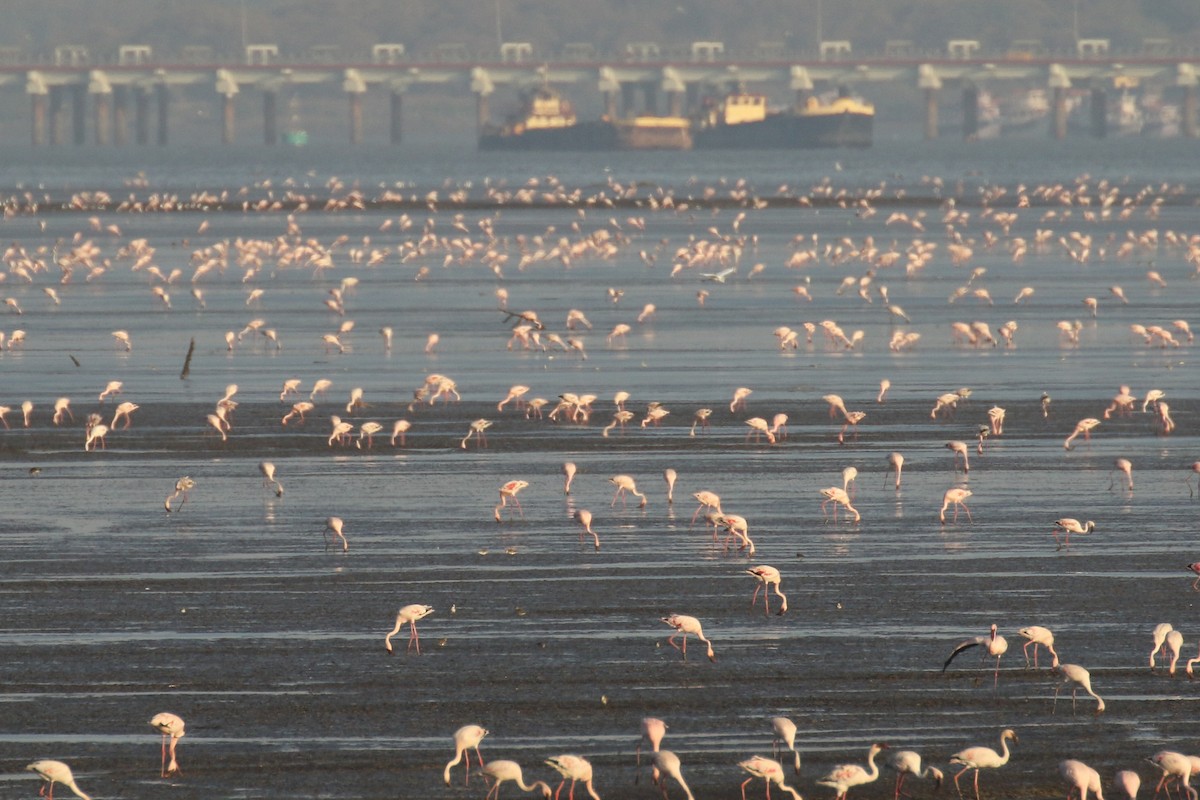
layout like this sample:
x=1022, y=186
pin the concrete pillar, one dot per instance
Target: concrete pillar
x=395, y=130
x=483, y=114
x=1058, y=114
x=141, y=116
x=628, y=99
x=37, y=131
x=228, y=118
x=1188, y=124
x=675, y=104
x=56, y=114
x=650, y=92
x=610, y=105
x=356, y=117
x=970, y=112
x=164, y=113
x=78, y=115
x=270, y=135
x=931, y=114
x=101, y=117
x=121, y=115
x=1099, y=109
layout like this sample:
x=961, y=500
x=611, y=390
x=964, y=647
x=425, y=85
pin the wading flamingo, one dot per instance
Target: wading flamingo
x=624, y=483
x=785, y=733
x=1079, y=678
x=170, y=726
x=502, y=771
x=1080, y=779
x=573, y=768
x=957, y=497
x=667, y=763
x=653, y=731
x=466, y=738
x=1037, y=636
x=55, y=772
x=978, y=758
x=767, y=576
x=845, y=776
x=1160, y=638
x=908, y=762
x=895, y=463
x=684, y=625
x=584, y=518
x=838, y=497
x=507, y=491
x=995, y=646
x=410, y=614
x=268, y=472
x=770, y=771
x=334, y=525
x=182, y=487
x=569, y=470
x=1069, y=526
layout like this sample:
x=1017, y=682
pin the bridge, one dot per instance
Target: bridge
x=66, y=85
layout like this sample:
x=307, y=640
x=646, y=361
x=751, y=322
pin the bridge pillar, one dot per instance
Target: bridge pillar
x=228, y=119
x=395, y=118
x=355, y=85
x=1058, y=113
x=1189, y=126
x=931, y=114
x=120, y=115
x=56, y=114
x=101, y=91
x=164, y=113
x=78, y=115
x=483, y=86
x=270, y=135
x=650, y=93
x=38, y=130
x=141, y=115
x=970, y=112
x=1099, y=112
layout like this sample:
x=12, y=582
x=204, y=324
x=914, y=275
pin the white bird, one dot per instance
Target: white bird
x=995, y=646
x=908, y=762
x=466, y=738
x=1080, y=778
x=1069, y=526
x=1037, y=636
x=770, y=771
x=1079, y=678
x=55, y=772
x=845, y=776
x=718, y=277
x=410, y=614
x=169, y=725
x=785, y=732
x=502, y=770
x=573, y=768
x=668, y=763
x=978, y=758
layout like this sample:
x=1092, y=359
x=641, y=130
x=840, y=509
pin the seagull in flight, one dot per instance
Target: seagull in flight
x=718, y=277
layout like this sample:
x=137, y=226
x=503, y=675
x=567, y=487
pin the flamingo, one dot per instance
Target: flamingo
x=978, y=758
x=1069, y=526
x=1195, y=568
x=55, y=772
x=1080, y=778
x=995, y=645
x=1173, y=765
x=1128, y=782
x=701, y=418
x=759, y=428
x=895, y=463
x=767, y=576
x=852, y=419
x=96, y=435
x=844, y=776
x=268, y=472
x=708, y=499
x=584, y=517
x=1037, y=636
x=624, y=483
x=400, y=429
x=334, y=525
x=182, y=487
x=466, y=738
x=1125, y=467
x=684, y=625
x=507, y=491
x=958, y=498
x=1079, y=678
x=667, y=763
x=502, y=770
x=770, y=771
x=169, y=725
x=653, y=731
x=1194, y=469
x=785, y=732
x=838, y=497
x=410, y=614
x=124, y=410
x=959, y=449
x=476, y=429
x=1174, y=643
x=670, y=476
x=908, y=762
x=1160, y=637
x=515, y=395
x=568, y=476
x=1085, y=427
x=739, y=398
x=574, y=768
x=367, y=431
x=836, y=405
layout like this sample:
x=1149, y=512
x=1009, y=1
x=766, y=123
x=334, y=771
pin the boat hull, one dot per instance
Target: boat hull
x=790, y=131
x=596, y=135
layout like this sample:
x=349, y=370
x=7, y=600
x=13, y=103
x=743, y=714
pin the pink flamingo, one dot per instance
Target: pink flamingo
x=684, y=625
x=838, y=497
x=895, y=464
x=770, y=771
x=994, y=645
x=1084, y=426
x=334, y=525
x=55, y=772
x=170, y=726
x=568, y=476
x=958, y=498
x=653, y=731
x=908, y=762
x=670, y=476
x=573, y=768
x=502, y=771
x=466, y=738
x=978, y=758
x=1037, y=636
x=509, y=491
x=845, y=776
x=1079, y=678
x=410, y=614
x=584, y=517
x=624, y=483
x=1080, y=779
x=1069, y=526
x=767, y=576
x=785, y=733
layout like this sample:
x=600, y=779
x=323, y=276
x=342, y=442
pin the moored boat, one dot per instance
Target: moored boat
x=547, y=121
x=743, y=120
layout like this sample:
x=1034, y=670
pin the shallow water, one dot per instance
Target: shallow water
x=232, y=613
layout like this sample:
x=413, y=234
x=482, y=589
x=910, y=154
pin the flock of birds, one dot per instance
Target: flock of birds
x=716, y=260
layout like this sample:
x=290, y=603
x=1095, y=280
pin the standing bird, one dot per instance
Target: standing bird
x=1160, y=638
x=584, y=518
x=568, y=476
x=767, y=576
x=908, y=762
x=507, y=491
x=1128, y=782
x=410, y=614
x=770, y=771
x=653, y=731
x=667, y=763
x=573, y=768
x=711, y=500
x=838, y=497
x=55, y=772
x=978, y=758
x=1080, y=778
x=785, y=732
x=844, y=776
x=502, y=770
x=670, y=476
x=895, y=463
x=1173, y=765
x=466, y=738
x=171, y=726
x=1069, y=526
x=1079, y=678
x=959, y=449
x=995, y=645
x=684, y=625
x=1037, y=636
x=476, y=429
x=624, y=483
x=1125, y=467
x=334, y=525
x=1195, y=568
x=182, y=487
x=268, y=472
x=958, y=498
x=739, y=398
x=1085, y=427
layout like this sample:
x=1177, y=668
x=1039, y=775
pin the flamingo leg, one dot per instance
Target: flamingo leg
x=744, y=787
x=754, y=599
x=957, y=775
x=162, y=770
x=976, y=783
x=412, y=639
